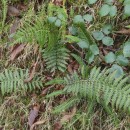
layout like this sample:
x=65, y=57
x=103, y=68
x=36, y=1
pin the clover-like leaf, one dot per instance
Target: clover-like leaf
x=108, y=41
x=92, y=1
x=110, y=57
x=118, y=70
x=107, y=29
x=104, y=10
x=78, y=19
x=126, y=49
x=113, y=11
x=88, y=17
x=121, y=60
x=94, y=49
x=58, y=23
x=98, y=35
x=83, y=44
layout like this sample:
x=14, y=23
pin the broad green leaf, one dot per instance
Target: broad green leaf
x=110, y=57
x=88, y=17
x=72, y=39
x=118, y=69
x=92, y=1
x=126, y=49
x=108, y=41
x=78, y=19
x=52, y=19
x=89, y=57
x=126, y=2
x=73, y=30
x=113, y=11
x=58, y=23
x=83, y=44
x=104, y=10
x=108, y=1
x=127, y=10
x=121, y=60
x=98, y=35
x=94, y=49
x=107, y=29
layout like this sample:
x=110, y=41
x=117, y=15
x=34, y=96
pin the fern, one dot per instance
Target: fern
x=56, y=58
x=13, y=80
x=101, y=87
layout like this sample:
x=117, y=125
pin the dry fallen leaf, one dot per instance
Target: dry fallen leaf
x=57, y=126
x=13, y=28
x=124, y=31
x=17, y=49
x=44, y=92
x=33, y=114
x=32, y=73
x=67, y=117
x=12, y=11
x=37, y=123
x=57, y=2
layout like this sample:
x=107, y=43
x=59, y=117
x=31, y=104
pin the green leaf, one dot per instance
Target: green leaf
x=94, y=49
x=83, y=44
x=110, y=57
x=118, y=69
x=73, y=30
x=126, y=2
x=58, y=23
x=107, y=29
x=126, y=49
x=108, y=41
x=72, y=39
x=98, y=35
x=104, y=10
x=92, y=1
x=127, y=10
x=121, y=60
x=113, y=11
x=108, y=1
x=88, y=18
x=89, y=57
x=52, y=19
x=78, y=19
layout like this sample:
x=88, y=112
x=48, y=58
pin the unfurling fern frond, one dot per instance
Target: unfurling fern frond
x=101, y=87
x=56, y=58
x=13, y=80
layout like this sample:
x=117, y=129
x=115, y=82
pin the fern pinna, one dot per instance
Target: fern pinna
x=100, y=87
x=13, y=80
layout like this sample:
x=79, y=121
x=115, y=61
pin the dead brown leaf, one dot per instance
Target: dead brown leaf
x=57, y=126
x=44, y=92
x=13, y=28
x=33, y=114
x=67, y=117
x=124, y=31
x=12, y=11
x=17, y=49
x=57, y=2
x=37, y=123
x=32, y=73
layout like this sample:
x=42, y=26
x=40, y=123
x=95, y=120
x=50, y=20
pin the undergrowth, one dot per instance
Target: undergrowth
x=68, y=57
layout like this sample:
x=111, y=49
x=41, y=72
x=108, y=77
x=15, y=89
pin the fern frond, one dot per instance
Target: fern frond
x=13, y=80
x=102, y=87
x=31, y=32
x=56, y=58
